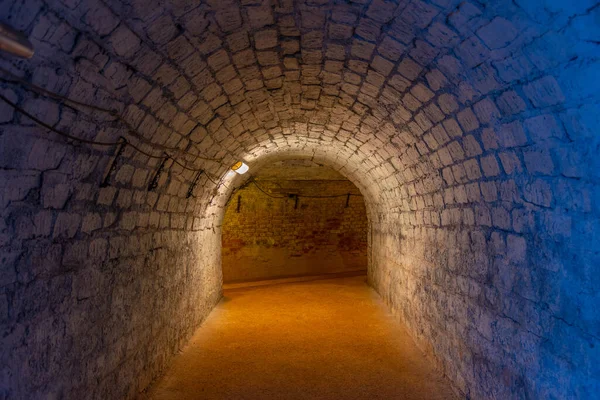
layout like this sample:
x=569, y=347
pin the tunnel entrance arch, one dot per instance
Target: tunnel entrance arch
x=331, y=157
x=294, y=218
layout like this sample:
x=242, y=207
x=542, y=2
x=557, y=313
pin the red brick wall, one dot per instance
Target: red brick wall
x=272, y=237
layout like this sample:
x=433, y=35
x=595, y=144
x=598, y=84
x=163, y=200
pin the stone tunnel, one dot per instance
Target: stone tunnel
x=469, y=127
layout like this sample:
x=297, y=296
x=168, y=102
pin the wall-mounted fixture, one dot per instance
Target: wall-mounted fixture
x=240, y=168
x=14, y=42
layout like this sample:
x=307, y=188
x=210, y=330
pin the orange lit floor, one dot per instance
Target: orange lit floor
x=326, y=339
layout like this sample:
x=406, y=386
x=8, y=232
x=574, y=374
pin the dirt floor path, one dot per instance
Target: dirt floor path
x=326, y=339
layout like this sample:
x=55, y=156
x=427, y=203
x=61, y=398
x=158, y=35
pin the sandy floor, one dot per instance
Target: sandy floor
x=327, y=339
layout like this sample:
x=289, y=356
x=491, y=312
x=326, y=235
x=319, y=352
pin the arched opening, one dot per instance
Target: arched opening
x=294, y=218
x=320, y=331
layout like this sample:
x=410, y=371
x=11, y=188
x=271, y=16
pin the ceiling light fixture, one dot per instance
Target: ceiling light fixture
x=14, y=42
x=240, y=168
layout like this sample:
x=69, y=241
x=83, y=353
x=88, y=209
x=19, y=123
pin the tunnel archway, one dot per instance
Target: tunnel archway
x=294, y=219
x=470, y=129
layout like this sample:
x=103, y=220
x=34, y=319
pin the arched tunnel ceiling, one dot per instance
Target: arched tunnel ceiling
x=389, y=92
x=313, y=155
x=297, y=170
x=470, y=127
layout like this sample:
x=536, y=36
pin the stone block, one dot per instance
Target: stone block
x=543, y=127
x=312, y=40
x=544, y=92
x=447, y=103
x=238, y=41
x=467, y=119
x=472, y=52
x=66, y=225
x=179, y=49
x=162, y=30
x=516, y=249
x=101, y=19
x=452, y=128
x=381, y=11
x=399, y=83
x=124, y=198
x=440, y=134
x=56, y=190
x=260, y=16
x=218, y=60
x=382, y=65
x=472, y=169
x=501, y=218
x=368, y=29
x=510, y=162
x=271, y=58
x=229, y=19
x=498, y=33
x=511, y=103
x=411, y=102
x=6, y=111
x=128, y=220
x=513, y=68
x=489, y=165
x=391, y=49
x=456, y=151
x=423, y=53
x=434, y=113
x=471, y=146
x=124, y=42
x=486, y=111
x=409, y=69
x=91, y=222
x=538, y=161
x=511, y=135
x=42, y=223
x=44, y=110
x=441, y=35
x=489, y=191
x=15, y=186
x=106, y=195
x=344, y=15
x=265, y=39
x=436, y=80
x=362, y=49
x=422, y=92
x=289, y=47
x=419, y=13
x=538, y=192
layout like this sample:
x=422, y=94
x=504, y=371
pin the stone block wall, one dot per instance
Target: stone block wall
x=470, y=127
x=275, y=237
x=100, y=287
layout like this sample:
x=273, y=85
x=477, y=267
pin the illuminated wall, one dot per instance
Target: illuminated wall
x=267, y=237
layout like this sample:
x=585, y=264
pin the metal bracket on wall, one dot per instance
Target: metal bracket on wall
x=347, y=200
x=190, y=191
x=112, y=165
x=154, y=182
x=239, y=203
x=296, y=197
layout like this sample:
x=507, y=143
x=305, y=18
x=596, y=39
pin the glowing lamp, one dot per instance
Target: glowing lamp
x=240, y=168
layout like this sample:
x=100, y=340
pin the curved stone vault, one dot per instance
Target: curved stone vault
x=471, y=128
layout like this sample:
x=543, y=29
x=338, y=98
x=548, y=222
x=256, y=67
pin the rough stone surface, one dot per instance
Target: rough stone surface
x=274, y=237
x=476, y=155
